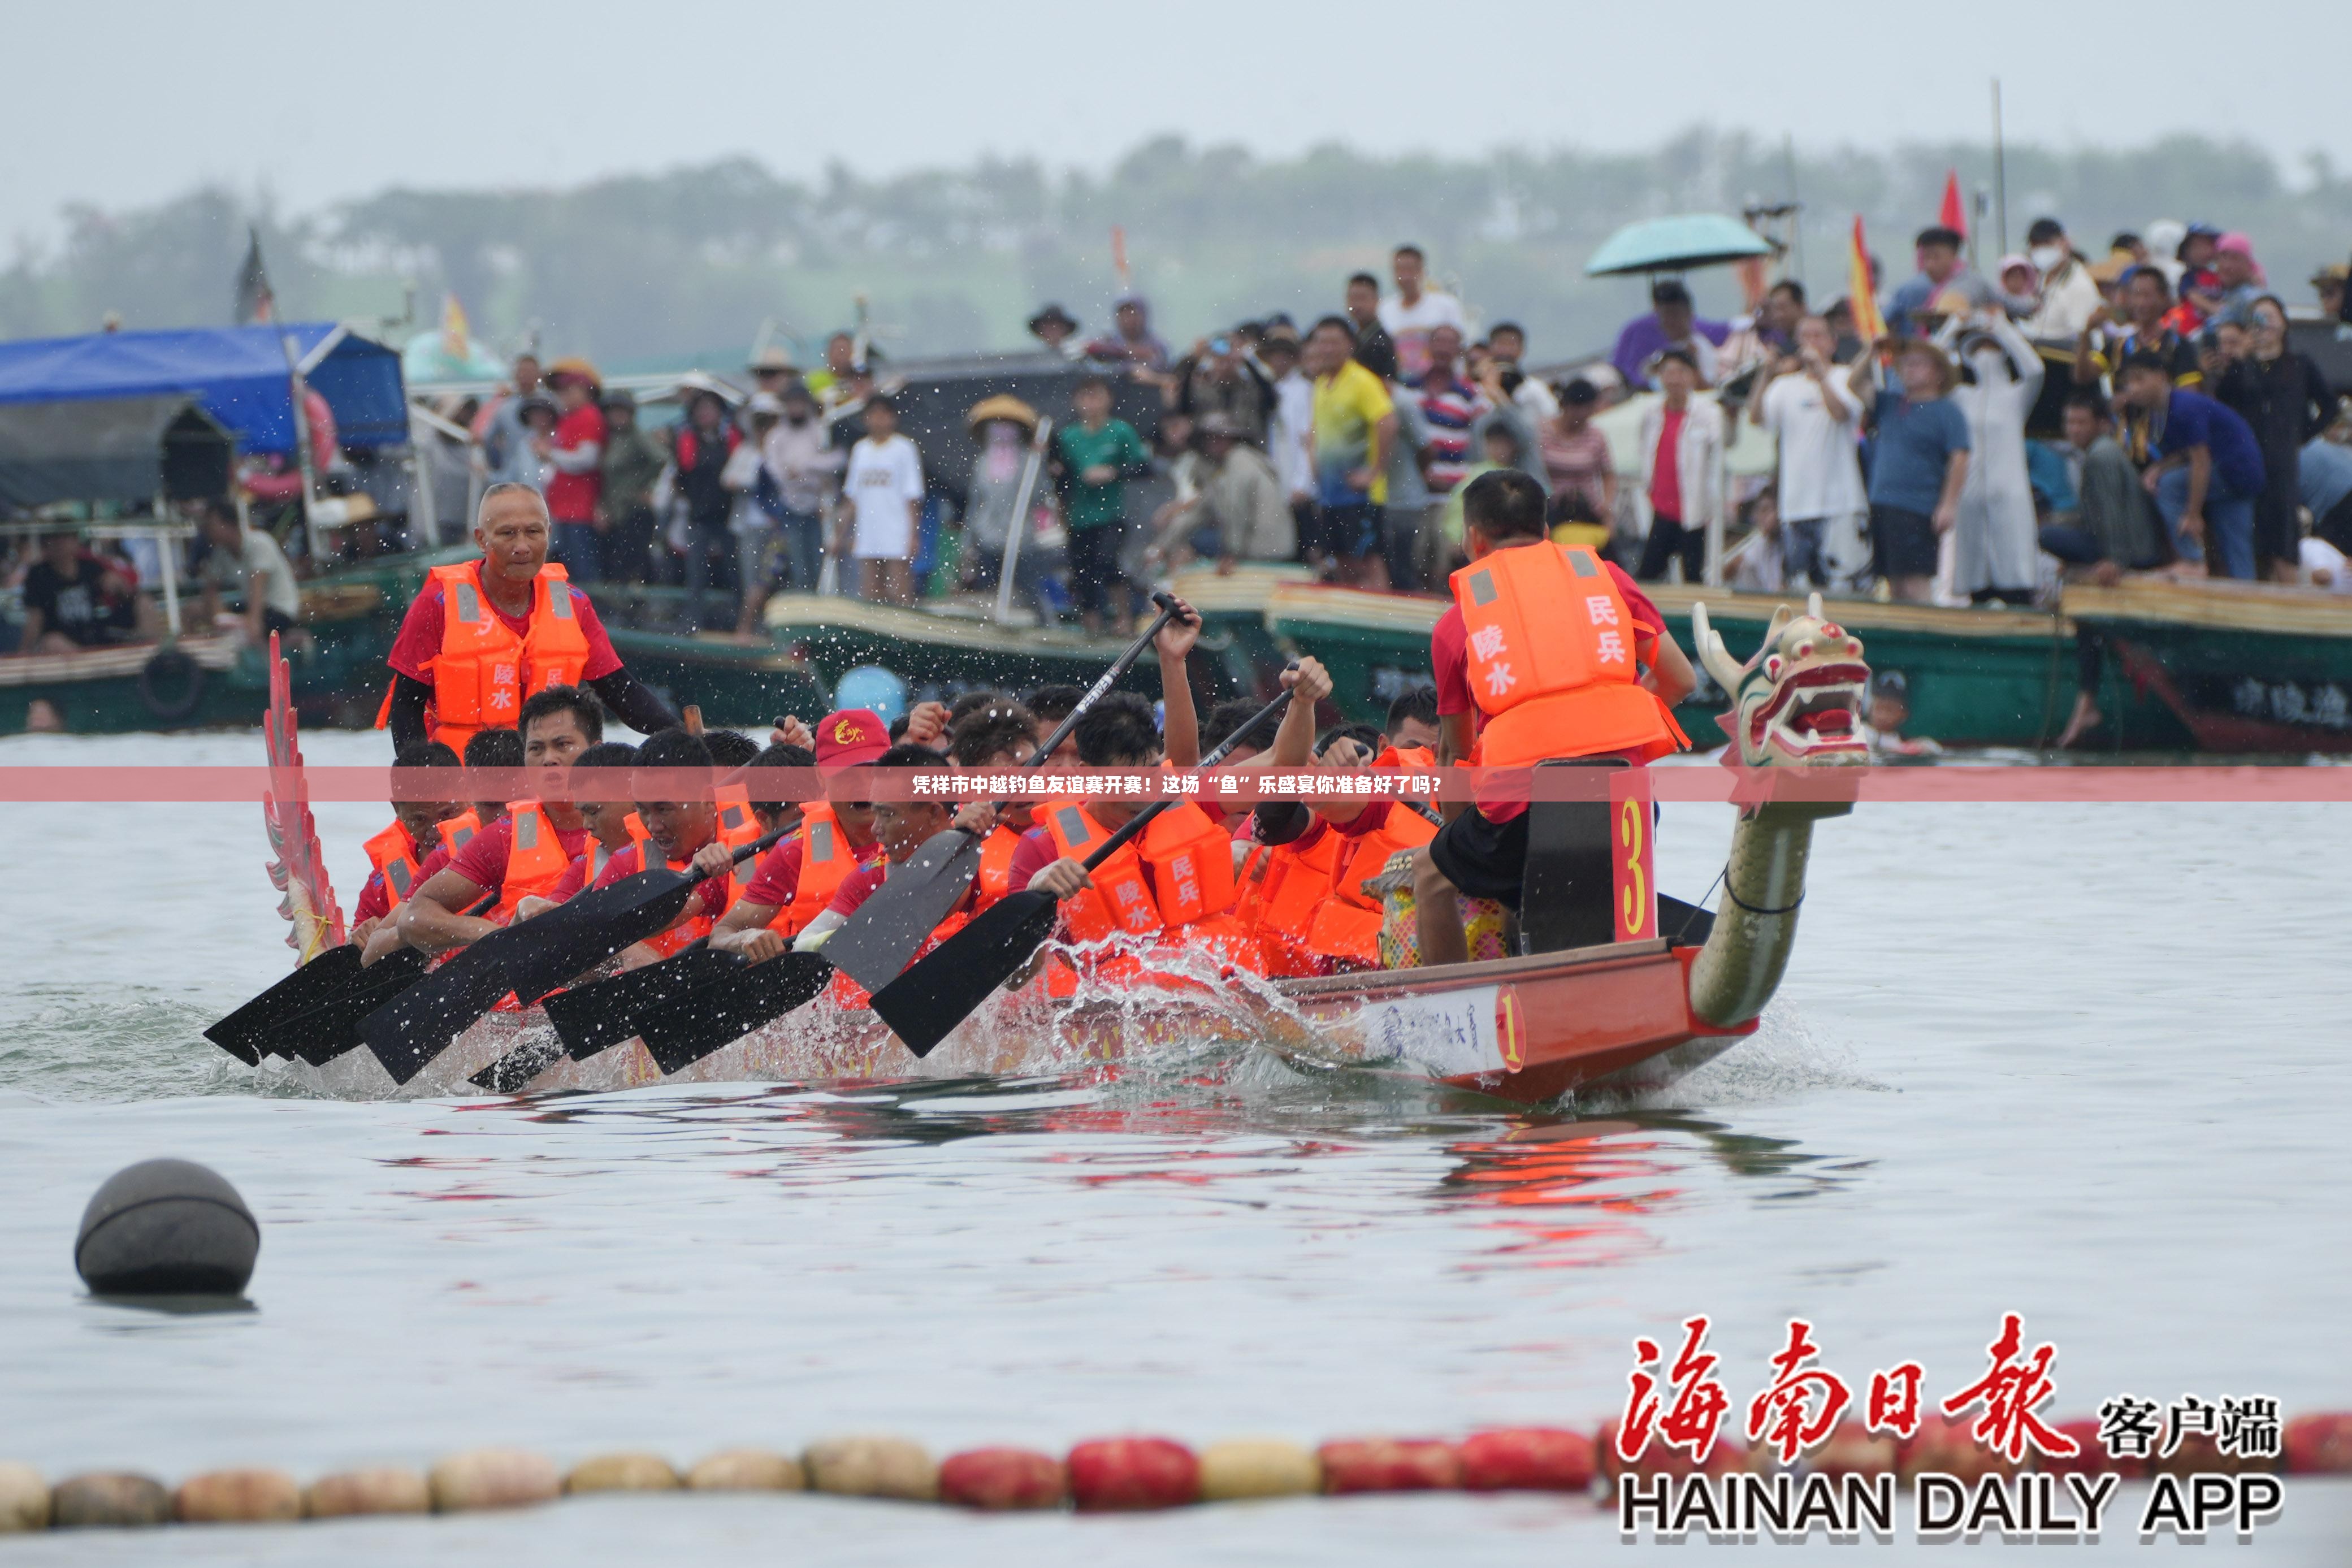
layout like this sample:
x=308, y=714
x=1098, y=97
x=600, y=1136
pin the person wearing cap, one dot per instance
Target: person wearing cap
x=1673, y=322
x=576, y=480
x=772, y=368
x=2328, y=284
x=1940, y=271
x=632, y=462
x=1058, y=331
x=2067, y=292
x=798, y=876
x=1132, y=342
x=1920, y=463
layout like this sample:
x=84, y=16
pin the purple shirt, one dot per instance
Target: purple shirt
x=1644, y=337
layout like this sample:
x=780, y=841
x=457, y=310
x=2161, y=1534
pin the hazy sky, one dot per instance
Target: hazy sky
x=120, y=103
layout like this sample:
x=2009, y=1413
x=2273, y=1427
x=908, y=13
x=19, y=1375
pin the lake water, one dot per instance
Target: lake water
x=2080, y=1062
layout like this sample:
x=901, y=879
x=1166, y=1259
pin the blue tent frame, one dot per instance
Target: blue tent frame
x=237, y=373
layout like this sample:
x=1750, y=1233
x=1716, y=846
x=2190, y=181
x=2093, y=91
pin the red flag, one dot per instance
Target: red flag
x=1955, y=216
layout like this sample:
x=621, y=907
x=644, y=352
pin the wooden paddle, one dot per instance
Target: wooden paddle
x=903, y=912
x=529, y=959
x=923, y=1006
x=603, y=1012
x=679, y=1036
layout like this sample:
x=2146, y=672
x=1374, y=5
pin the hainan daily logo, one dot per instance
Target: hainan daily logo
x=1811, y=1452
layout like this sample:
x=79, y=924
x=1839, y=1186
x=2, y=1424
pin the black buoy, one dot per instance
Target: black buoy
x=166, y=1227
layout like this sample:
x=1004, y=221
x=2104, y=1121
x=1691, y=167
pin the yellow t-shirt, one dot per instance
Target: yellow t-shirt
x=1348, y=403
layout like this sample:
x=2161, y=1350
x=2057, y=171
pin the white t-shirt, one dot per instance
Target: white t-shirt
x=280, y=591
x=883, y=486
x=1408, y=327
x=2318, y=556
x=1289, y=432
x=1821, y=469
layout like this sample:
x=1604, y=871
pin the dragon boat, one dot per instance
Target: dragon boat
x=1634, y=1009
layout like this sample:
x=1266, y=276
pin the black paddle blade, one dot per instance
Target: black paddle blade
x=407, y=1032
x=905, y=909
x=923, y=1006
x=680, y=1035
x=601, y=1013
x=577, y=936
x=332, y=1027
x=510, y=1072
x=243, y=1032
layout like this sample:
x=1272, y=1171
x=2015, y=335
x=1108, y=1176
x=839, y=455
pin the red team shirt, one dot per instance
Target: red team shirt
x=711, y=893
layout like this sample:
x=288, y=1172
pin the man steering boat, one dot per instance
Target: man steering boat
x=486, y=636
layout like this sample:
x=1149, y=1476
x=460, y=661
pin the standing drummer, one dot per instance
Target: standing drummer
x=486, y=636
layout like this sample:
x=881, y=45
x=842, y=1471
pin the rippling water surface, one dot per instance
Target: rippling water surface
x=2085, y=1062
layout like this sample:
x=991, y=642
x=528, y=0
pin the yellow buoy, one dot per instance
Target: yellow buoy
x=1257, y=1467
x=24, y=1499
x=622, y=1473
x=747, y=1471
x=873, y=1467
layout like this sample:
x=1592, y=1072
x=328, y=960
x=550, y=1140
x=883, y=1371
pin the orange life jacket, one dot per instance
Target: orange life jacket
x=1347, y=923
x=394, y=853
x=483, y=672
x=1265, y=871
x=1287, y=881
x=826, y=859
x=738, y=826
x=995, y=878
x=536, y=859
x=687, y=931
x=1550, y=644
x=458, y=831
x=1191, y=861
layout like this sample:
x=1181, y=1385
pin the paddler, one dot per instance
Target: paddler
x=1348, y=839
x=1547, y=652
x=903, y=827
x=398, y=855
x=523, y=854
x=608, y=822
x=682, y=834
x=996, y=739
x=486, y=636
x=491, y=752
x=798, y=876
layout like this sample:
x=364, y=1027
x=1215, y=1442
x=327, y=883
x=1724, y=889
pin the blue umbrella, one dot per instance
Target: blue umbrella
x=1675, y=244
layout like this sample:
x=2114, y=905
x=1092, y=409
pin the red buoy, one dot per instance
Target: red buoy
x=2319, y=1445
x=1003, y=1479
x=1133, y=1473
x=1527, y=1459
x=1390, y=1464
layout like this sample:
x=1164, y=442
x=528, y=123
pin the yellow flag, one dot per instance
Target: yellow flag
x=1868, y=324
x=457, y=340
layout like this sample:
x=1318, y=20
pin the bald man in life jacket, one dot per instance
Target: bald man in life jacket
x=523, y=854
x=1547, y=652
x=486, y=636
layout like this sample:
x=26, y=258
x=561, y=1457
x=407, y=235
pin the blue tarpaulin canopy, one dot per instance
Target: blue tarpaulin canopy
x=237, y=373
x=1675, y=244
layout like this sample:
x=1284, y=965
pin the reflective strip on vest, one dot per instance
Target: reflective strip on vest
x=820, y=841
x=560, y=604
x=469, y=603
x=396, y=874
x=526, y=830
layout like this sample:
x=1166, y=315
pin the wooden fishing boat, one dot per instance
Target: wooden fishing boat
x=190, y=683
x=2244, y=667
x=1977, y=677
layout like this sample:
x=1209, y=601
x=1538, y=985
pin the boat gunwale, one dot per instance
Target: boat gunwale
x=1378, y=984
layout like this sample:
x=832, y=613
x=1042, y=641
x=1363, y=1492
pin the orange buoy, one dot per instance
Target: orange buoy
x=995, y=1479
x=238, y=1496
x=113, y=1499
x=1527, y=1459
x=873, y=1467
x=1389, y=1465
x=493, y=1478
x=747, y=1471
x=622, y=1473
x=386, y=1488
x=1133, y=1473
x=1242, y=1468
x=24, y=1499
x=2319, y=1445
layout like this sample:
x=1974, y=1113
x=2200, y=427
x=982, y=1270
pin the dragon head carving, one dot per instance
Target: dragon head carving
x=1795, y=703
